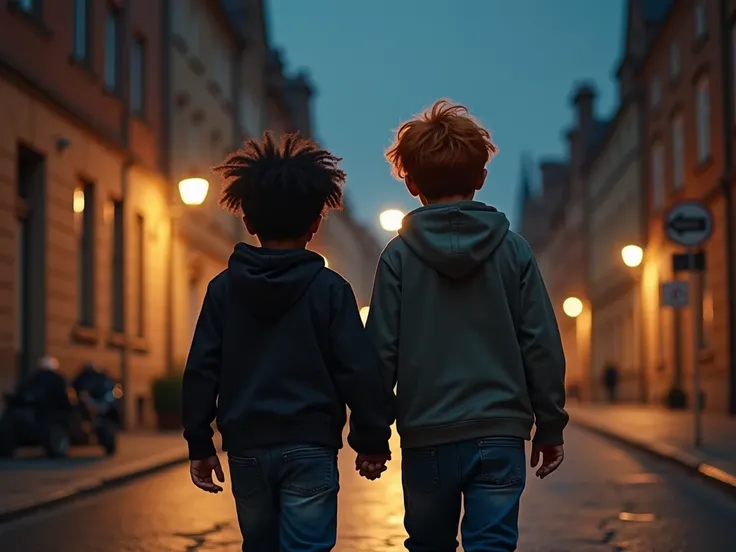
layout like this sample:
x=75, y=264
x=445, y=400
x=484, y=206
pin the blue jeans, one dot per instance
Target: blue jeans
x=486, y=475
x=286, y=498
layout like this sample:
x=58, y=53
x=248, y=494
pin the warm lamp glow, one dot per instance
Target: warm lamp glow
x=79, y=200
x=573, y=307
x=364, y=314
x=327, y=265
x=632, y=255
x=391, y=220
x=193, y=191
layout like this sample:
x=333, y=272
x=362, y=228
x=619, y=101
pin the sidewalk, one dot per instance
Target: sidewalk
x=668, y=434
x=31, y=481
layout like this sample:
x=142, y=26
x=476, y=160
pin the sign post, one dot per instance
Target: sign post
x=690, y=224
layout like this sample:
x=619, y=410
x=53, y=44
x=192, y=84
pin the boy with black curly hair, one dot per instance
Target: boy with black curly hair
x=278, y=351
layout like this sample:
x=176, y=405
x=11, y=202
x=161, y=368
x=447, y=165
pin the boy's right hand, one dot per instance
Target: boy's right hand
x=552, y=456
x=201, y=472
x=371, y=466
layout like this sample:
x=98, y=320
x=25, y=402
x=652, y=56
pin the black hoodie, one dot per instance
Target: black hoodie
x=462, y=321
x=278, y=351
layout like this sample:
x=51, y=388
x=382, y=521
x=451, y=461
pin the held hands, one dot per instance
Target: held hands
x=552, y=457
x=201, y=472
x=371, y=466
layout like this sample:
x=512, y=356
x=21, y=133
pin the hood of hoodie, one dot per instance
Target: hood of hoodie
x=270, y=281
x=455, y=238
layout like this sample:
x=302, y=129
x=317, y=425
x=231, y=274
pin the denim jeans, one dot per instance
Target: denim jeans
x=486, y=476
x=286, y=498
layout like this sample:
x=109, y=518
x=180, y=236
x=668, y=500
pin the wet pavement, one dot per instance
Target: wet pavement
x=604, y=498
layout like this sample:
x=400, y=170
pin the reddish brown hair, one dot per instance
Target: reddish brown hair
x=443, y=151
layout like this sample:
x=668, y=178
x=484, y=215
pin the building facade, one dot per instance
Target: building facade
x=80, y=97
x=685, y=160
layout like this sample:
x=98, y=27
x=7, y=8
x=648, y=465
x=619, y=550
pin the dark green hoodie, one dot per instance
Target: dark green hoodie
x=466, y=331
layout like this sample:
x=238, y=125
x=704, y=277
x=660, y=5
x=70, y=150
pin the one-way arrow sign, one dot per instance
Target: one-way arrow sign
x=689, y=224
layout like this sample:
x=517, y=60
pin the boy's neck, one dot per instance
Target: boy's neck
x=449, y=199
x=299, y=243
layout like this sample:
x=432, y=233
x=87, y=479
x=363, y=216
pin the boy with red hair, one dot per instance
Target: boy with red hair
x=463, y=324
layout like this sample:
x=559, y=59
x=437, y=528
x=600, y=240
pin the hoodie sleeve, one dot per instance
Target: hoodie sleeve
x=383, y=324
x=356, y=376
x=544, y=359
x=201, y=381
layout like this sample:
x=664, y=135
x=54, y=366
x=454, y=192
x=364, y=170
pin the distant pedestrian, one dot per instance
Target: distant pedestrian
x=462, y=321
x=278, y=351
x=610, y=382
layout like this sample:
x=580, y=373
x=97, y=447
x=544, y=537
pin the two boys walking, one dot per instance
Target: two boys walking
x=460, y=325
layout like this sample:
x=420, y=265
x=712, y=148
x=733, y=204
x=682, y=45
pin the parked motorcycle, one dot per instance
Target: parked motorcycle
x=38, y=412
x=98, y=406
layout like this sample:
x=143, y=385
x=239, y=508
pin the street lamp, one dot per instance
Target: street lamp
x=572, y=307
x=391, y=220
x=632, y=255
x=364, y=314
x=193, y=191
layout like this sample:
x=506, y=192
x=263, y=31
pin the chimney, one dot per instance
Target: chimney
x=584, y=102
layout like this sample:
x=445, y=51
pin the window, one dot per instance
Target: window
x=655, y=92
x=84, y=213
x=733, y=67
x=82, y=30
x=117, y=321
x=702, y=110
x=701, y=27
x=706, y=326
x=140, y=236
x=112, y=50
x=138, y=77
x=658, y=175
x=678, y=152
x=674, y=61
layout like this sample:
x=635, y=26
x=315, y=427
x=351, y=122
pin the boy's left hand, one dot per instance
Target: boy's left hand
x=371, y=466
x=201, y=472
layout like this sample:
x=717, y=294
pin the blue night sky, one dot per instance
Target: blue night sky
x=512, y=62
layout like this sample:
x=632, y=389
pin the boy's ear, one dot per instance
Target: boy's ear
x=413, y=190
x=248, y=227
x=481, y=180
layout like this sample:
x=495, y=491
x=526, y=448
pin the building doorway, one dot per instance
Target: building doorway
x=30, y=319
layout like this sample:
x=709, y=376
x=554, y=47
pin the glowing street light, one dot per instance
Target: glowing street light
x=193, y=191
x=632, y=255
x=573, y=307
x=391, y=220
x=79, y=200
x=364, y=314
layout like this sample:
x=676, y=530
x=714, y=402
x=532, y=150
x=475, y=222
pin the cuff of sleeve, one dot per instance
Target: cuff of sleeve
x=201, y=449
x=377, y=447
x=549, y=434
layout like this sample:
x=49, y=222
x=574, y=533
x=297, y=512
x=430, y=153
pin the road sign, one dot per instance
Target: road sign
x=684, y=262
x=688, y=223
x=674, y=294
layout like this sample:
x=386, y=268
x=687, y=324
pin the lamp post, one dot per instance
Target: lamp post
x=192, y=193
x=632, y=256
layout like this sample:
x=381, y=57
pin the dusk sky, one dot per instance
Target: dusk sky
x=512, y=62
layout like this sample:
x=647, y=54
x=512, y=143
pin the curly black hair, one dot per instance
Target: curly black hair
x=281, y=188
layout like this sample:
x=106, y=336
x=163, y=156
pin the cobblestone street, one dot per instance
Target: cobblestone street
x=604, y=498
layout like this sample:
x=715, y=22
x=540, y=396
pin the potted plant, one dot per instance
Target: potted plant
x=166, y=392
